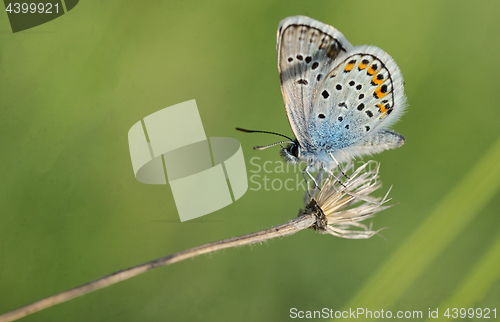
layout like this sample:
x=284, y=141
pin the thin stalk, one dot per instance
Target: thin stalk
x=289, y=228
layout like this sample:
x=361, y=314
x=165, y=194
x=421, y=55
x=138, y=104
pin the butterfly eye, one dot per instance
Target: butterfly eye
x=294, y=150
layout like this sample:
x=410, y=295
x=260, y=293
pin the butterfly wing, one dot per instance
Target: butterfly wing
x=306, y=49
x=357, y=101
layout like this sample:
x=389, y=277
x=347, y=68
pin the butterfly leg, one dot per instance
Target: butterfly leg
x=343, y=173
x=338, y=166
x=334, y=176
x=306, y=174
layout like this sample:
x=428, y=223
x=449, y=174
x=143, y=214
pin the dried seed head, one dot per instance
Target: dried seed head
x=334, y=203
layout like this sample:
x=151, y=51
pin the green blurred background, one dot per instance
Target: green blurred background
x=72, y=211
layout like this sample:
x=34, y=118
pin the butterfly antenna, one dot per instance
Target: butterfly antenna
x=270, y=145
x=267, y=132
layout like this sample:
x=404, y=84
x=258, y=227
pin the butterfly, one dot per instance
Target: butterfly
x=340, y=100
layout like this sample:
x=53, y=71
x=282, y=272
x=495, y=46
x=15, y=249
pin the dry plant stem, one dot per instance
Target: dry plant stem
x=289, y=228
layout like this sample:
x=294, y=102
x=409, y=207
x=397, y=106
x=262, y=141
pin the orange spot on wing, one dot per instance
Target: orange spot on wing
x=348, y=67
x=379, y=93
x=377, y=81
x=382, y=109
x=362, y=66
x=374, y=68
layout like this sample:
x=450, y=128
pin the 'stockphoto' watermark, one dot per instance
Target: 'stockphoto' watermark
x=265, y=174
x=364, y=313
x=358, y=313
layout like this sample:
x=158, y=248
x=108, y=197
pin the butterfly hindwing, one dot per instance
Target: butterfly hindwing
x=360, y=97
x=307, y=50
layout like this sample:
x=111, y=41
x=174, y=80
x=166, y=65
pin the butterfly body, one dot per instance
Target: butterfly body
x=340, y=100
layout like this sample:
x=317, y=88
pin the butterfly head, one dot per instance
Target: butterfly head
x=292, y=152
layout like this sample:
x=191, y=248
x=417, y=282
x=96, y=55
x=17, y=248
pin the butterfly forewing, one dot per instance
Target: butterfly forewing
x=306, y=51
